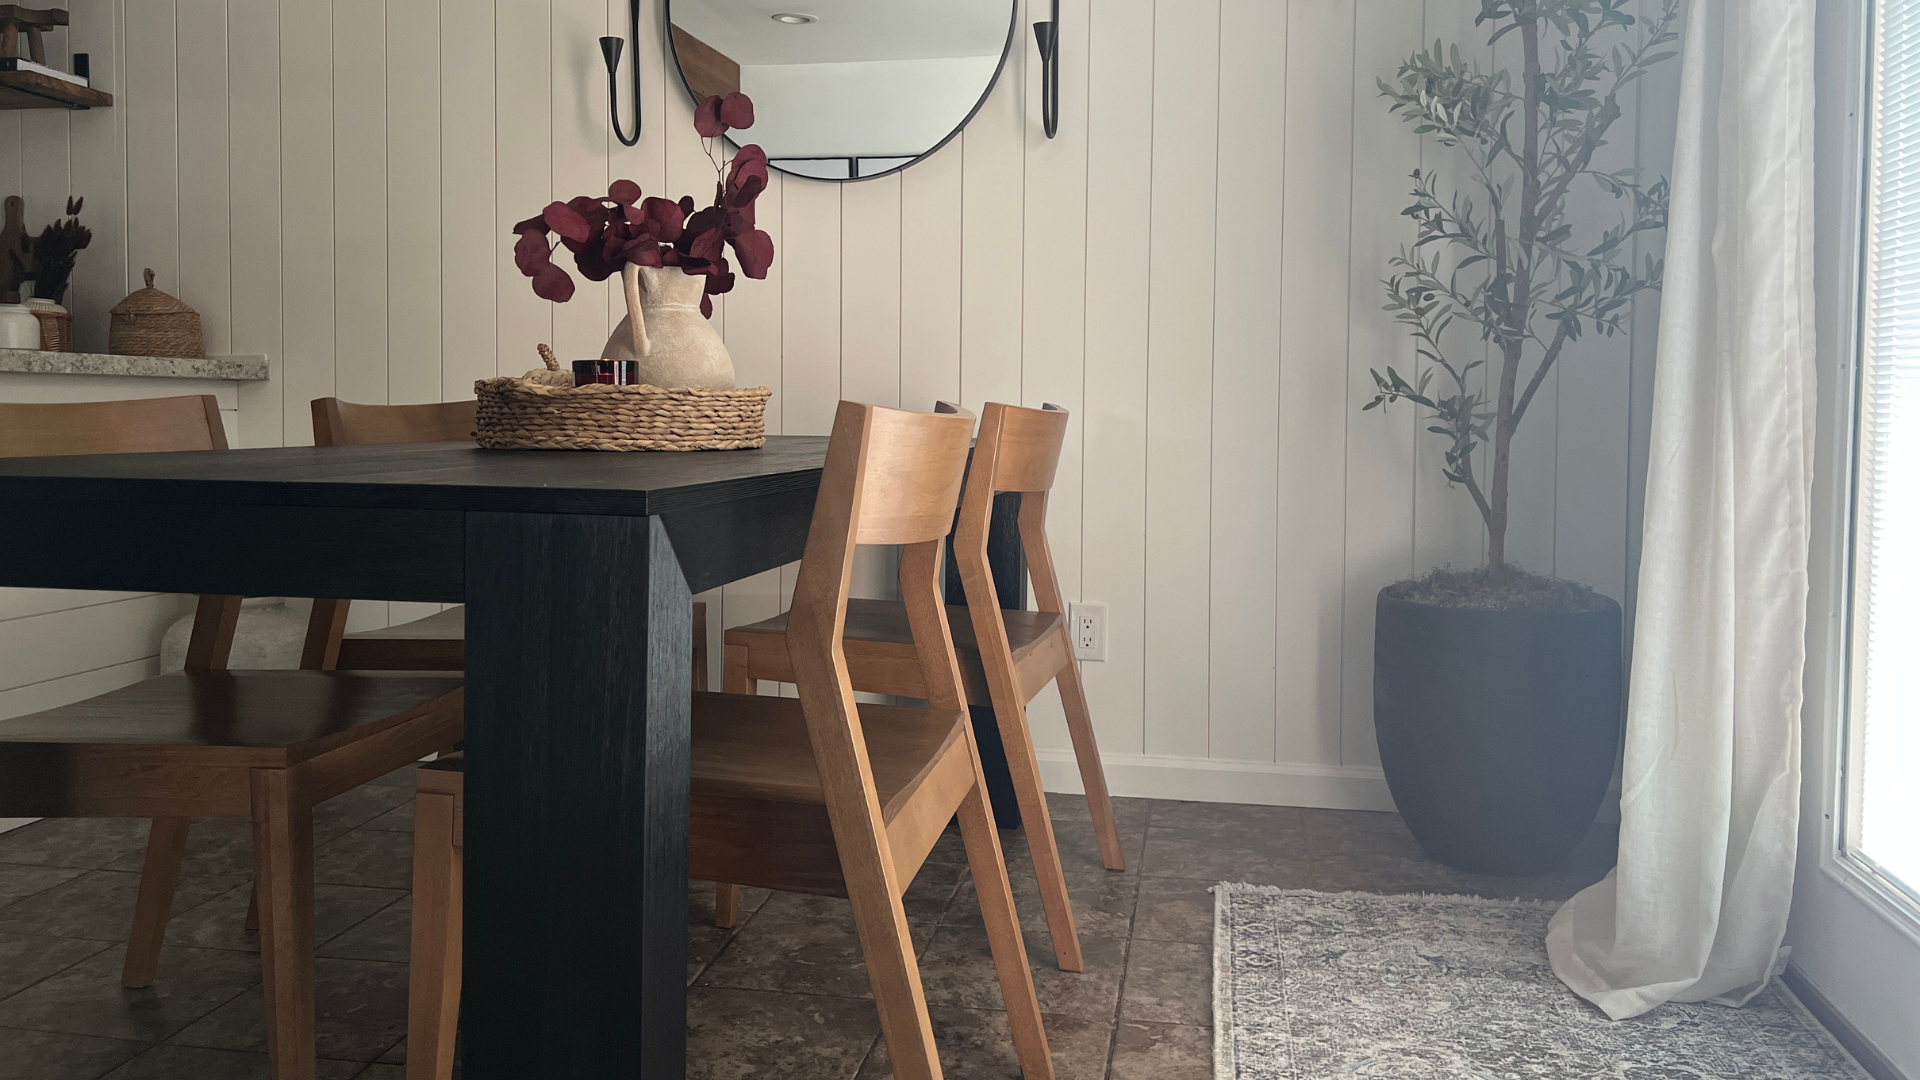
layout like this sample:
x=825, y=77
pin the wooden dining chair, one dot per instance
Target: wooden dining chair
x=206, y=741
x=437, y=642
x=817, y=794
x=1006, y=657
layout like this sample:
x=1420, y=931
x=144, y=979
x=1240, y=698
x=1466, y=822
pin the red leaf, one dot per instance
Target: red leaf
x=566, y=221
x=686, y=206
x=736, y=110
x=530, y=252
x=624, y=192
x=552, y=283
x=645, y=253
x=747, y=176
x=756, y=253
x=706, y=305
x=664, y=220
x=535, y=223
x=706, y=118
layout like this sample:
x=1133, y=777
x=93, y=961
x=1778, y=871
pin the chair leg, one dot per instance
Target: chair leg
x=1086, y=751
x=166, y=848
x=1038, y=823
x=726, y=905
x=283, y=854
x=433, y=996
x=886, y=945
x=733, y=673
x=1003, y=933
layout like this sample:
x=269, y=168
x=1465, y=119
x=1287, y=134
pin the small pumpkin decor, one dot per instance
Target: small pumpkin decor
x=664, y=379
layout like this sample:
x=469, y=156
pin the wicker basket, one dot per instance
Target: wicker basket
x=56, y=328
x=519, y=415
x=152, y=323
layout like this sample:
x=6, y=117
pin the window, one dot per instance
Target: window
x=1881, y=827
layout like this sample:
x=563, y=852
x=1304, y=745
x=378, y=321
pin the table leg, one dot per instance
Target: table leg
x=578, y=684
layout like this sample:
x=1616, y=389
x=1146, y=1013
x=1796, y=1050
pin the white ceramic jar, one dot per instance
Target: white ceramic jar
x=18, y=328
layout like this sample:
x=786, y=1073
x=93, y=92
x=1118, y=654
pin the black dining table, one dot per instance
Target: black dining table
x=578, y=571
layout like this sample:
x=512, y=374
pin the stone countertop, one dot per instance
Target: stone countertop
x=35, y=361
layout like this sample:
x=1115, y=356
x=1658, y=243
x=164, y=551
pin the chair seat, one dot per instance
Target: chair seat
x=760, y=815
x=254, y=718
x=757, y=748
x=885, y=622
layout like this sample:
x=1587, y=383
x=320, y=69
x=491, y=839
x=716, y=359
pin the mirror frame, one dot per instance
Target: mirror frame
x=1006, y=50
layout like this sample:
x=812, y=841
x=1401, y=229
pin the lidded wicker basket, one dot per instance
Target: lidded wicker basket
x=526, y=414
x=152, y=323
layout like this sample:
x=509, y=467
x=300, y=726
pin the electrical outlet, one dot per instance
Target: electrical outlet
x=1088, y=623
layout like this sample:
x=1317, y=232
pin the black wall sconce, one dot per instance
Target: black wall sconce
x=610, y=48
x=1047, y=36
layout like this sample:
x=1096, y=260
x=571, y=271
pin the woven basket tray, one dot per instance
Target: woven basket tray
x=518, y=415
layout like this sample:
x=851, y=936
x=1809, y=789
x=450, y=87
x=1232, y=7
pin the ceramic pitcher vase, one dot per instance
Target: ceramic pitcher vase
x=675, y=344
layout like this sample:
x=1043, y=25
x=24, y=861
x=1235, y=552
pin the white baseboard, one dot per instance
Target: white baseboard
x=1147, y=776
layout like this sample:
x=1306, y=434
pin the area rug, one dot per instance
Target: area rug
x=1314, y=986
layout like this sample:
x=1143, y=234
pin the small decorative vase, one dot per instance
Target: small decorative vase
x=56, y=324
x=18, y=328
x=664, y=330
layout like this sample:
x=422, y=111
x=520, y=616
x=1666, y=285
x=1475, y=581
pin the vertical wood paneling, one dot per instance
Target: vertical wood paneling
x=1313, y=389
x=870, y=292
x=98, y=153
x=930, y=279
x=579, y=165
x=413, y=191
x=307, y=209
x=1180, y=316
x=253, y=116
x=523, y=181
x=1120, y=90
x=470, y=241
x=1447, y=528
x=1590, y=478
x=810, y=306
x=206, y=261
x=991, y=223
x=1380, y=445
x=1053, y=309
x=1246, y=386
x=1192, y=267
x=46, y=177
x=153, y=147
x=360, y=199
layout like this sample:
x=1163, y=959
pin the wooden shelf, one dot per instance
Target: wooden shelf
x=32, y=90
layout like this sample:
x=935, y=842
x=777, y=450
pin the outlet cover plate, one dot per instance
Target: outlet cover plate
x=1087, y=626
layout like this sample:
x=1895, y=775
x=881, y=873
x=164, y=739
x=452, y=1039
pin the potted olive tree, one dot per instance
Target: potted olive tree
x=1496, y=691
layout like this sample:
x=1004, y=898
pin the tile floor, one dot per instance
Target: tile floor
x=783, y=995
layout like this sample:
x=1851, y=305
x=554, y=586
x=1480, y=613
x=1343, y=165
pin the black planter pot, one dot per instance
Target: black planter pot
x=1497, y=729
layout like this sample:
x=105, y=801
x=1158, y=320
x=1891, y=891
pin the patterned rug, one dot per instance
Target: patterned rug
x=1314, y=986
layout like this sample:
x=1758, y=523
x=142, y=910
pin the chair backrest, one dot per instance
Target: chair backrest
x=892, y=477
x=145, y=425
x=1018, y=449
x=343, y=423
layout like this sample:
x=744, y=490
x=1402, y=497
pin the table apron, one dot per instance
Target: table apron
x=243, y=550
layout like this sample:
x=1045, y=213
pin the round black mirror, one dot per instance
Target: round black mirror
x=845, y=89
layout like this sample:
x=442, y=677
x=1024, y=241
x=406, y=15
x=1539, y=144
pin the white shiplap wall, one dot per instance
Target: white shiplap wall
x=1191, y=267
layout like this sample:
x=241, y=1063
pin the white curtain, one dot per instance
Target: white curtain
x=1709, y=804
